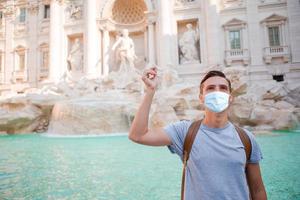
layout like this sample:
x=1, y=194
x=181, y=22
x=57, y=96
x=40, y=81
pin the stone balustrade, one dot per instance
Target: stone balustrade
x=20, y=75
x=276, y=52
x=44, y=73
x=237, y=55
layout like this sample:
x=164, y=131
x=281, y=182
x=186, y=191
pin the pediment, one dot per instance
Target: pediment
x=234, y=22
x=273, y=18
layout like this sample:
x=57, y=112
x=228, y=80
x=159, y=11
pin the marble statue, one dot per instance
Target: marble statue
x=125, y=52
x=187, y=45
x=75, y=57
x=75, y=60
x=75, y=12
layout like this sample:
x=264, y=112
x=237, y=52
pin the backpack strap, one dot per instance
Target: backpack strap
x=248, y=150
x=187, y=146
x=245, y=140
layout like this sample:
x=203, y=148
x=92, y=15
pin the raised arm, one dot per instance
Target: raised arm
x=139, y=131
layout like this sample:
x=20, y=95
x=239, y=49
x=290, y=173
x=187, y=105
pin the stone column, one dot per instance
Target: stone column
x=255, y=47
x=92, y=42
x=165, y=32
x=212, y=30
x=32, y=63
x=105, y=52
x=9, y=14
x=202, y=38
x=245, y=37
x=266, y=37
x=293, y=8
x=55, y=48
x=227, y=39
x=151, y=46
x=283, y=35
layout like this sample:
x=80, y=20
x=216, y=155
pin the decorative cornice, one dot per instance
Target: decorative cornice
x=33, y=8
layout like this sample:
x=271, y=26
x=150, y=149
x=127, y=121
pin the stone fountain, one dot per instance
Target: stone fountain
x=81, y=105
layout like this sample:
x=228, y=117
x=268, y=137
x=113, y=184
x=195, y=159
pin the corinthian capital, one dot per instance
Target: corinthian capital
x=9, y=11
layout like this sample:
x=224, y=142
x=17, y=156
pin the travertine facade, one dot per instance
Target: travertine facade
x=37, y=37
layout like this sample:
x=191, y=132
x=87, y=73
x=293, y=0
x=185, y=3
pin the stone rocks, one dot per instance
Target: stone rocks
x=18, y=117
x=238, y=79
x=97, y=106
x=265, y=114
x=88, y=117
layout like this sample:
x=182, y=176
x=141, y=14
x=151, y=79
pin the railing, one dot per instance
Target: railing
x=276, y=50
x=20, y=75
x=272, y=1
x=236, y=53
x=44, y=72
x=241, y=55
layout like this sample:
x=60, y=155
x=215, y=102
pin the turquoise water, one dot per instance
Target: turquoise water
x=113, y=168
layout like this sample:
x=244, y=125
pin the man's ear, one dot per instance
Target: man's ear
x=201, y=98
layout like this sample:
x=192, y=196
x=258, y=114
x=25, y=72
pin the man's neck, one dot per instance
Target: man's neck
x=215, y=120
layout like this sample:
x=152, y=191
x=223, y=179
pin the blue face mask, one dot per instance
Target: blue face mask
x=216, y=101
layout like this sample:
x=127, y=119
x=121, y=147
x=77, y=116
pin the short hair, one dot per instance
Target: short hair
x=212, y=74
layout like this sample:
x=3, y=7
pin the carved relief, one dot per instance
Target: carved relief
x=21, y=29
x=74, y=11
x=184, y=2
x=9, y=11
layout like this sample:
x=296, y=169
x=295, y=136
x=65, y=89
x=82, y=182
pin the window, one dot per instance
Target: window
x=274, y=36
x=235, y=39
x=21, y=61
x=46, y=11
x=44, y=61
x=22, y=16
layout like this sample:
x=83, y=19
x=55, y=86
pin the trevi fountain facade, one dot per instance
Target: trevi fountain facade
x=73, y=66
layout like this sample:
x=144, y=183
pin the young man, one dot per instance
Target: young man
x=216, y=165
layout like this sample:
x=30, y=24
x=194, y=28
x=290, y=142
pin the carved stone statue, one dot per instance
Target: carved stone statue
x=125, y=52
x=75, y=11
x=187, y=45
x=75, y=59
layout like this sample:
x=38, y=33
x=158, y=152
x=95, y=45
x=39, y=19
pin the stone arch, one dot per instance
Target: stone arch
x=108, y=6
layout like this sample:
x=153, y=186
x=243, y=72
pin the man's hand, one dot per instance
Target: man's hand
x=150, y=79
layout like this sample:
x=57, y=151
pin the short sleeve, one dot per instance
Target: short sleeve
x=256, y=154
x=177, y=132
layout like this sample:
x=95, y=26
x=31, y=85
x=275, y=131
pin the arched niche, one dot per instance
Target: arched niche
x=125, y=14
